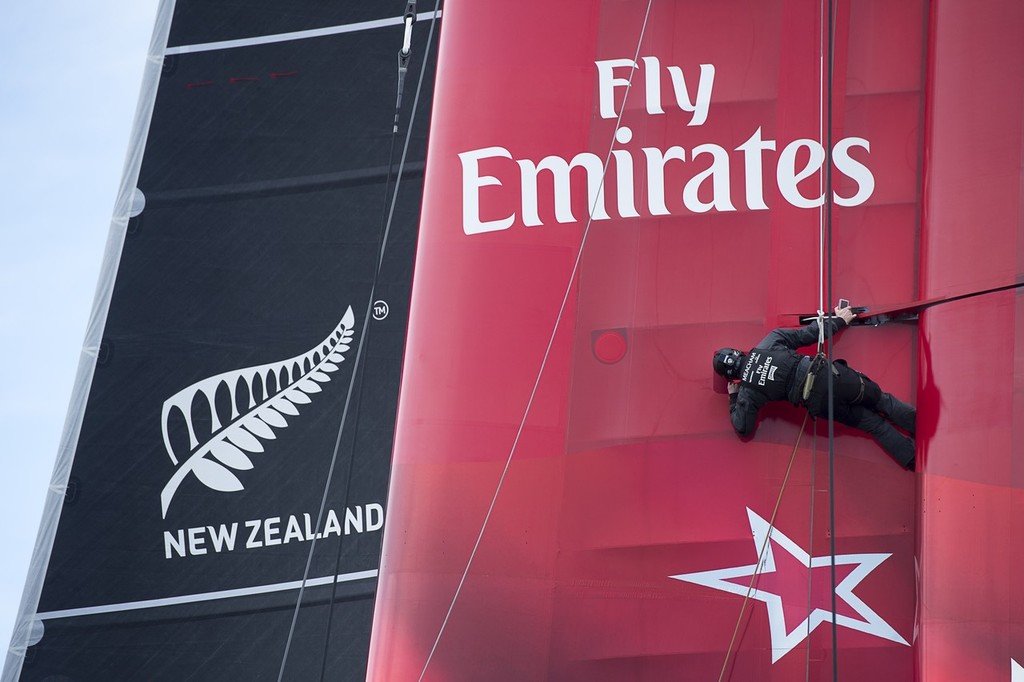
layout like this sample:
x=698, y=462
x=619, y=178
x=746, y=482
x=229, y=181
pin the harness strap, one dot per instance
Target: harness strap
x=860, y=393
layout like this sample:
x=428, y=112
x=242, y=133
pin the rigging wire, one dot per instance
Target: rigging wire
x=821, y=331
x=764, y=547
x=352, y=454
x=382, y=244
x=403, y=66
x=547, y=352
x=826, y=63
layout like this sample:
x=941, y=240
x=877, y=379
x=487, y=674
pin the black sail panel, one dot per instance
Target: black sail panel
x=231, y=446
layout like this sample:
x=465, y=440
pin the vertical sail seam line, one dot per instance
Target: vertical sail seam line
x=204, y=596
x=359, y=354
x=296, y=35
x=547, y=353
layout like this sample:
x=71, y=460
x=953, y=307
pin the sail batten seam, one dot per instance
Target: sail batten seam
x=204, y=596
x=296, y=35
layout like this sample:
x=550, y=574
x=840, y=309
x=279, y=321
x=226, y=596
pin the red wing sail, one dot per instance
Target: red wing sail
x=611, y=196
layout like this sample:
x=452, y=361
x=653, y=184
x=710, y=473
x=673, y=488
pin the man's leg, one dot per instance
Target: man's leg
x=898, y=412
x=857, y=388
x=898, y=446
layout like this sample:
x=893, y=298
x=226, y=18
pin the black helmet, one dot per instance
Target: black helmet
x=728, y=362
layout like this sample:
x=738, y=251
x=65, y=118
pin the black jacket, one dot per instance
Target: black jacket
x=775, y=371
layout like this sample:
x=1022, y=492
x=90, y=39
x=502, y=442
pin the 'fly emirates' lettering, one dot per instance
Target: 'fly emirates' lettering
x=709, y=188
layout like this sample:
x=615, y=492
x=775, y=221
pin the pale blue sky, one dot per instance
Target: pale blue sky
x=70, y=76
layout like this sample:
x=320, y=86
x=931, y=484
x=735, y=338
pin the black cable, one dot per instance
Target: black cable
x=403, y=64
x=382, y=243
x=358, y=376
x=394, y=197
x=831, y=400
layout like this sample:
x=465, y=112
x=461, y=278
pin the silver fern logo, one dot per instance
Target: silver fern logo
x=230, y=445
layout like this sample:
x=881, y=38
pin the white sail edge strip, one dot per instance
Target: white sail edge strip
x=204, y=596
x=125, y=206
x=297, y=35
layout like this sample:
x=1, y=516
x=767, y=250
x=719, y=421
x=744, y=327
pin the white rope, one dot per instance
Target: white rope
x=547, y=352
x=822, y=94
x=821, y=186
x=821, y=193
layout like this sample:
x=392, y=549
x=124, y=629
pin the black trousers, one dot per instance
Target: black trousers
x=860, y=402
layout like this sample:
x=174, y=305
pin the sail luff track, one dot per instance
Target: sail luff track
x=27, y=628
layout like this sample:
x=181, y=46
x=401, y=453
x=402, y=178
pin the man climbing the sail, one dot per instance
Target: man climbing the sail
x=774, y=370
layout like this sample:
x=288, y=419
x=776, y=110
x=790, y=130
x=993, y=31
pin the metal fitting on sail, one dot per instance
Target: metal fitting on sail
x=410, y=19
x=403, y=57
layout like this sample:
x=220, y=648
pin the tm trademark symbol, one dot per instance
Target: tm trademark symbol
x=380, y=310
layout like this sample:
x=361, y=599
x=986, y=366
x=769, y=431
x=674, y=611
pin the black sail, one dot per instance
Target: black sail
x=246, y=376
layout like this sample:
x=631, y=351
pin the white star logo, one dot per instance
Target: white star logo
x=796, y=561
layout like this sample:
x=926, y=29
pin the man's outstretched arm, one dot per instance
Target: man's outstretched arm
x=798, y=337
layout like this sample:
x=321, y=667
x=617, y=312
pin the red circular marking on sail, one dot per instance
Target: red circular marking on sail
x=610, y=346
